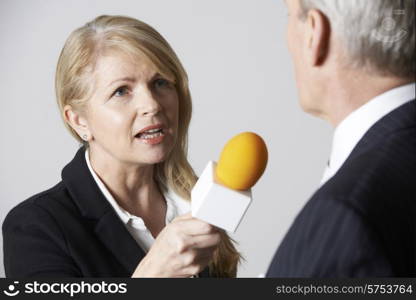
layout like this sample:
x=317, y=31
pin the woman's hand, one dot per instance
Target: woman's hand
x=182, y=249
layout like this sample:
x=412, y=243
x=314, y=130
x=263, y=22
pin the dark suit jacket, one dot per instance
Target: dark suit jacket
x=362, y=222
x=69, y=230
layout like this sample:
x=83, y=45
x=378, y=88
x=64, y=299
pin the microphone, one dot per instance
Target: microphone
x=222, y=194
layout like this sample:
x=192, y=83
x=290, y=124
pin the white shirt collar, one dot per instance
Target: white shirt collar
x=350, y=131
x=175, y=204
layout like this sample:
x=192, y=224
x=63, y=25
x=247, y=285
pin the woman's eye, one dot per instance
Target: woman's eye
x=121, y=91
x=161, y=83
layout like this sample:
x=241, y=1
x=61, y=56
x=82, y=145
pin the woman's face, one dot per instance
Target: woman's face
x=133, y=113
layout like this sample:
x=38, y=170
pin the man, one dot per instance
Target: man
x=355, y=67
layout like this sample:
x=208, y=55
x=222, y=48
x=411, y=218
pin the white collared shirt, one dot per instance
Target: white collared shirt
x=176, y=206
x=350, y=131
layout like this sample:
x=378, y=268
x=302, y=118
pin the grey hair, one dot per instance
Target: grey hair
x=378, y=35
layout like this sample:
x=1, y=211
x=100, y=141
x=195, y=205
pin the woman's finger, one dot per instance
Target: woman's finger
x=205, y=241
x=195, y=226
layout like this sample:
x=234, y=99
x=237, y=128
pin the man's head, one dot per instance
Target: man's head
x=349, y=40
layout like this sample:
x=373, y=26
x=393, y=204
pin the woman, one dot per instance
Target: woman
x=120, y=209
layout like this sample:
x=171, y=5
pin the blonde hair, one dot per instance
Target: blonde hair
x=134, y=37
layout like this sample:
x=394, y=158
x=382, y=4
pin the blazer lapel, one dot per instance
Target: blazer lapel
x=93, y=205
x=118, y=240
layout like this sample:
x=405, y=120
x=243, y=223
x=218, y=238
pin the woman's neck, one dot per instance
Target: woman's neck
x=132, y=186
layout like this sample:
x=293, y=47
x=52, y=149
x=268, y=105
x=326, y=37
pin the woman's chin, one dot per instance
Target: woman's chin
x=153, y=154
x=154, y=157
x=156, y=160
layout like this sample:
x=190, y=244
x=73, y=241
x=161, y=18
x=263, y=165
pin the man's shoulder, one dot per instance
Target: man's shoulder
x=378, y=182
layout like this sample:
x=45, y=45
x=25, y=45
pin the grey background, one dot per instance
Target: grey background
x=241, y=79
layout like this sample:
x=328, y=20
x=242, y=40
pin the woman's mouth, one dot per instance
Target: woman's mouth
x=152, y=136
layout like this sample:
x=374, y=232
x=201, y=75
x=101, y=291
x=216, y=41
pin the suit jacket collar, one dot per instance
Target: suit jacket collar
x=401, y=118
x=93, y=205
x=352, y=128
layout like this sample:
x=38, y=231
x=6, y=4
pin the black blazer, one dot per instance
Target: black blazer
x=362, y=222
x=69, y=230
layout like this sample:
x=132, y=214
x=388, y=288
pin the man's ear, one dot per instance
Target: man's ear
x=318, y=33
x=77, y=121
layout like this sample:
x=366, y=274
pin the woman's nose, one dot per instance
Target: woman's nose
x=148, y=105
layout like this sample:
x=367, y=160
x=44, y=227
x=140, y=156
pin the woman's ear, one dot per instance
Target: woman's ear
x=77, y=121
x=317, y=37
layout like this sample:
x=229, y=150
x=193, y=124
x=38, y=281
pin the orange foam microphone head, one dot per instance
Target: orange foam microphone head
x=242, y=161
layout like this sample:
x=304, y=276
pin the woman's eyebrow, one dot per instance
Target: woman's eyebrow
x=131, y=79
x=156, y=74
